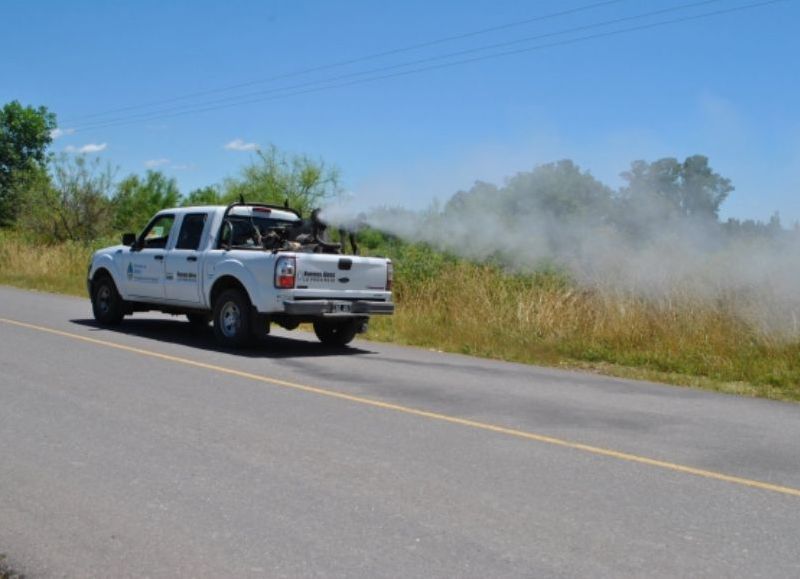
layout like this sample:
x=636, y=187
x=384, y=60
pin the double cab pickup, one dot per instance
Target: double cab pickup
x=241, y=268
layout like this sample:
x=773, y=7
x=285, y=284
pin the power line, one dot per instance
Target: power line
x=356, y=60
x=206, y=108
x=383, y=69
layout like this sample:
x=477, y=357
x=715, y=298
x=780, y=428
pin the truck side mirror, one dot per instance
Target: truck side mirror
x=128, y=239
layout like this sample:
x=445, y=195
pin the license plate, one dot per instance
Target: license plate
x=342, y=308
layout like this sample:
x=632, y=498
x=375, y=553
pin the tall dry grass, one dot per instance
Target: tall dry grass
x=57, y=268
x=541, y=319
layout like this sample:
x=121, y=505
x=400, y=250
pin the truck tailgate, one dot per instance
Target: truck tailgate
x=331, y=275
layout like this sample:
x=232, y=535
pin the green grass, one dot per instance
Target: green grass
x=446, y=304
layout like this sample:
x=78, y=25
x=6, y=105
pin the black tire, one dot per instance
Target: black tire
x=232, y=319
x=107, y=305
x=199, y=320
x=260, y=327
x=338, y=333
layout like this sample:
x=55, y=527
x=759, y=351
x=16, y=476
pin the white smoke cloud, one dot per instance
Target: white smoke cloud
x=683, y=259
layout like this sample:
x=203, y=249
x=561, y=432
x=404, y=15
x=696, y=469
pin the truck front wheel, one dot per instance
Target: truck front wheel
x=107, y=305
x=338, y=333
x=232, y=318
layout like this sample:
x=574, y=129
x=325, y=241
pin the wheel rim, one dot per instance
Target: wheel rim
x=104, y=299
x=230, y=319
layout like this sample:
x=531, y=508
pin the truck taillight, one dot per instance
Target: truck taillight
x=285, y=272
x=389, y=276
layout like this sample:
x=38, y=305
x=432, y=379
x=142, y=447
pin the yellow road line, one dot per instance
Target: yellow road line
x=596, y=450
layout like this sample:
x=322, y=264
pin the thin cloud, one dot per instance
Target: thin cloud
x=58, y=133
x=240, y=145
x=88, y=148
x=153, y=163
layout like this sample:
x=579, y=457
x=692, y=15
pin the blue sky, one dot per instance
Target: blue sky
x=725, y=86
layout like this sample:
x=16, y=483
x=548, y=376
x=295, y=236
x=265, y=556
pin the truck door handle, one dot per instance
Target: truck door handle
x=159, y=257
x=191, y=258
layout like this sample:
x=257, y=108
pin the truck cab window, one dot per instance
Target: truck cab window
x=156, y=236
x=191, y=231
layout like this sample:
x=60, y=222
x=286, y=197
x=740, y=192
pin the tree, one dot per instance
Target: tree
x=670, y=188
x=476, y=199
x=136, y=199
x=556, y=191
x=24, y=137
x=276, y=177
x=73, y=206
x=203, y=196
x=34, y=203
x=702, y=190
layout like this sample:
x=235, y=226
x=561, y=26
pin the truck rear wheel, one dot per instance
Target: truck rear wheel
x=338, y=333
x=232, y=318
x=107, y=305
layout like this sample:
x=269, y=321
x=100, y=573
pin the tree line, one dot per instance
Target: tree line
x=653, y=196
x=71, y=197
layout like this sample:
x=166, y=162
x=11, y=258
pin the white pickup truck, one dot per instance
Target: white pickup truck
x=241, y=267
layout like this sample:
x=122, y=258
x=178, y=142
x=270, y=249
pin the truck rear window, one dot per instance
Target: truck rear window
x=244, y=231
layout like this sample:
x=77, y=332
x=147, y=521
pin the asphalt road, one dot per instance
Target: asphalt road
x=147, y=452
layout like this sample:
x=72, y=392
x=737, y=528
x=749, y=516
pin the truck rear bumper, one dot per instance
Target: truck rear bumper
x=337, y=308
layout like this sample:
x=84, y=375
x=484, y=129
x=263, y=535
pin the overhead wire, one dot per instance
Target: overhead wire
x=383, y=69
x=336, y=81
x=356, y=60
